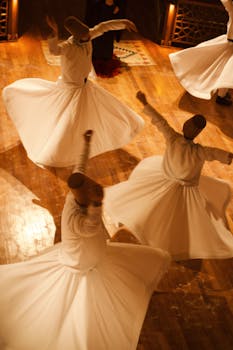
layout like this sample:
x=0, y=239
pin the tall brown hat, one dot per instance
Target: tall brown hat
x=193, y=126
x=75, y=26
x=198, y=120
x=85, y=189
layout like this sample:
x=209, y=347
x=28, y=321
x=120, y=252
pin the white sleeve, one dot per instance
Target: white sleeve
x=160, y=122
x=212, y=153
x=101, y=28
x=55, y=47
x=86, y=224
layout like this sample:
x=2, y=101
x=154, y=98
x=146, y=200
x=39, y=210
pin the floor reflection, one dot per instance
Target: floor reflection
x=25, y=227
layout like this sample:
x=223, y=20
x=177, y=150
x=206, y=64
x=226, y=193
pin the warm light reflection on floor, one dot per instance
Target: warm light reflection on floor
x=26, y=228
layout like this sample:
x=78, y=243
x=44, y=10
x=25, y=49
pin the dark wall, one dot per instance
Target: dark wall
x=32, y=13
x=148, y=15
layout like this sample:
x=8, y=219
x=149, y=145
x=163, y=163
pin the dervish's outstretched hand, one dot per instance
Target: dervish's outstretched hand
x=88, y=135
x=130, y=26
x=142, y=97
x=52, y=24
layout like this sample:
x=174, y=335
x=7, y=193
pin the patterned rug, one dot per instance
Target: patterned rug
x=131, y=52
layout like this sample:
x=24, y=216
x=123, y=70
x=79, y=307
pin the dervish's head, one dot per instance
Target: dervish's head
x=193, y=126
x=84, y=189
x=77, y=28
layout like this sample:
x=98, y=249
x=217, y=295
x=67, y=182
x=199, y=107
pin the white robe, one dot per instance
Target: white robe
x=207, y=67
x=168, y=204
x=51, y=117
x=83, y=293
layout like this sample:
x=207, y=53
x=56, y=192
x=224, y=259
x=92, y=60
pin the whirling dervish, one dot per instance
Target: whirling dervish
x=51, y=117
x=207, y=68
x=167, y=203
x=84, y=293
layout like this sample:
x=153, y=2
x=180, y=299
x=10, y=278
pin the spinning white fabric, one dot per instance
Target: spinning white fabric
x=51, y=117
x=166, y=202
x=207, y=67
x=83, y=294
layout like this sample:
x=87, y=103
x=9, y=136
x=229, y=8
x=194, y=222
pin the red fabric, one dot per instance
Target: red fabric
x=107, y=68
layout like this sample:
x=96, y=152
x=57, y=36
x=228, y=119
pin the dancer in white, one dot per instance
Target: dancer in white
x=51, y=117
x=206, y=68
x=167, y=203
x=84, y=293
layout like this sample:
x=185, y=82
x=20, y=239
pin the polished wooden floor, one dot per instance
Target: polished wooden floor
x=193, y=308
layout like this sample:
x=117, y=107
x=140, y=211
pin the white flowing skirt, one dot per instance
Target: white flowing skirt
x=205, y=68
x=188, y=222
x=45, y=305
x=51, y=118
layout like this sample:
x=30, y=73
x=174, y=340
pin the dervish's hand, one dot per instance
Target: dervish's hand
x=87, y=135
x=52, y=24
x=141, y=97
x=130, y=26
x=116, y=10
